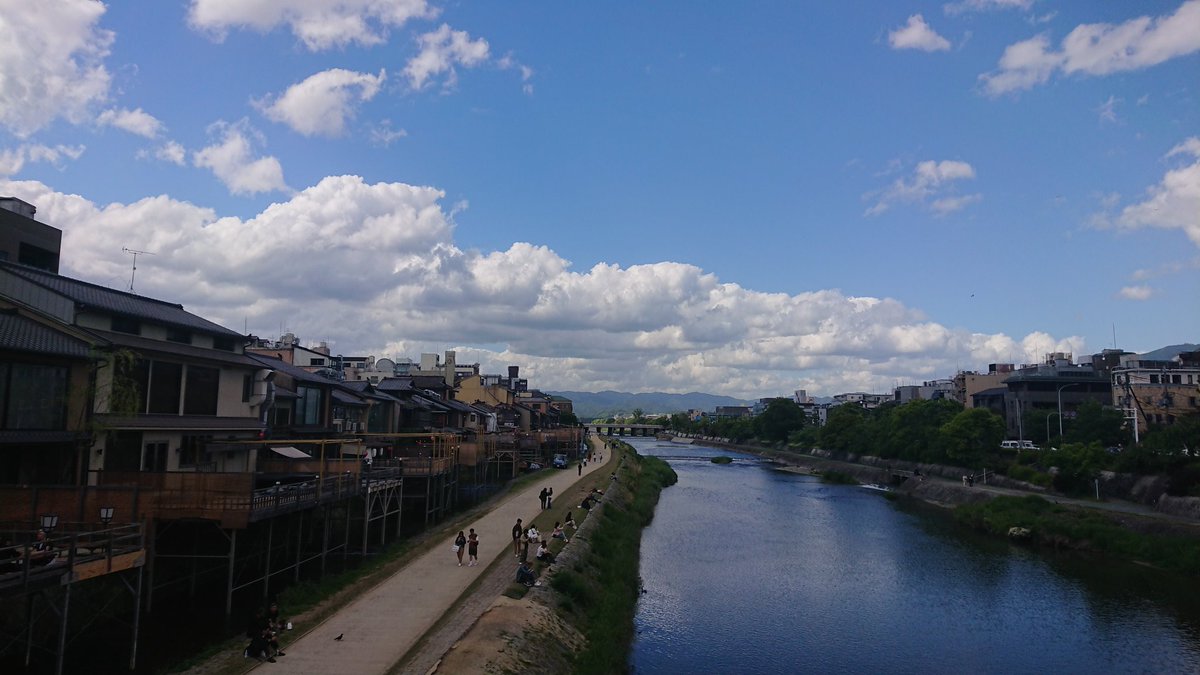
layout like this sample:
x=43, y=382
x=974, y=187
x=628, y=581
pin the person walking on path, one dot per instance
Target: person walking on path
x=542, y=496
x=581, y=468
x=517, y=531
x=460, y=542
x=549, y=497
x=472, y=548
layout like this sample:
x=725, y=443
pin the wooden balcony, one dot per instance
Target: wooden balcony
x=73, y=552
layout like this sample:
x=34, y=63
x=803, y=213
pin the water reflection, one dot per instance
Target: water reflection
x=751, y=570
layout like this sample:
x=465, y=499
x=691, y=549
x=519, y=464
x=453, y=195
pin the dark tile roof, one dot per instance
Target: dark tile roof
x=343, y=396
x=86, y=295
x=294, y=372
x=18, y=333
x=142, y=344
x=31, y=437
x=395, y=384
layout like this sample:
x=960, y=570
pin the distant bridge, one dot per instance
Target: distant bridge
x=624, y=429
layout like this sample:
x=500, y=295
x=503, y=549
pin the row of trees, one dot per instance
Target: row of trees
x=942, y=432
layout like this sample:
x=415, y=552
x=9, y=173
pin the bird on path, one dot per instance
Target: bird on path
x=340, y=636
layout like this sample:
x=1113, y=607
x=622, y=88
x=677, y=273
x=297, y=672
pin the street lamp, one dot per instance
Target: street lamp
x=106, y=515
x=1060, y=430
x=49, y=522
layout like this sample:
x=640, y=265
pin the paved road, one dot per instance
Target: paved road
x=386, y=621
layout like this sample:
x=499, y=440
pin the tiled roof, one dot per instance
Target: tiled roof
x=294, y=372
x=88, y=295
x=181, y=422
x=25, y=335
x=176, y=349
x=343, y=396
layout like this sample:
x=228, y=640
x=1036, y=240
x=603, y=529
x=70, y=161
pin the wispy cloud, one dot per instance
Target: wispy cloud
x=930, y=180
x=1097, y=49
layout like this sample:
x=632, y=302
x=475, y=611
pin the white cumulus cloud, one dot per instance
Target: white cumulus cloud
x=232, y=161
x=916, y=34
x=51, y=63
x=319, y=24
x=382, y=275
x=1098, y=49
x=321, y=104
x=442, y=50
x=1174, y=203
x=137, y=122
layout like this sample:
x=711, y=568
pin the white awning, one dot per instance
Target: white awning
x=289, y=451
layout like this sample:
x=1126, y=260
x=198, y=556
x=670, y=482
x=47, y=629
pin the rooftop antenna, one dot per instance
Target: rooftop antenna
x=135, y=254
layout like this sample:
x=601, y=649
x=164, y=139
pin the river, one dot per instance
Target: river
x=747, y=569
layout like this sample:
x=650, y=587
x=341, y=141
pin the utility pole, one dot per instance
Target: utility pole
x=134, y=271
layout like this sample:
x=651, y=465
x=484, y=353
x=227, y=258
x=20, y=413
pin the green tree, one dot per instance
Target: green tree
x=639, y=415
x=1094, y=423
x=846, y=429
x=568, y=419
x=972, y=435
x=780, y=419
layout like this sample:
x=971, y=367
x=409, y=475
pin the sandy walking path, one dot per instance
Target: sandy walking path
x=386, y=621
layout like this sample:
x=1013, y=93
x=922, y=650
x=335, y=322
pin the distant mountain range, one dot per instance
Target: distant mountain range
x=1168, y=353
x=589, y=405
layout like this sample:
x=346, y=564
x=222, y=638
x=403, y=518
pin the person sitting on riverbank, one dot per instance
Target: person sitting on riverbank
x=525, y=574
x=570, y=521
x=558, y=532
x=544, y=554
x=534, y=535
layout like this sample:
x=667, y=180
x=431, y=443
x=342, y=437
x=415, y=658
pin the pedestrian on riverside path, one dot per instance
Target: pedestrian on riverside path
x=472, y=548
x=542, y=496
x=517, y=531
x=581, y=468
x=460, y=543
x=549, y=497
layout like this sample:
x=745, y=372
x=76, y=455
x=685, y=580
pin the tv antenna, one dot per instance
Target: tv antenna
x=135, y=255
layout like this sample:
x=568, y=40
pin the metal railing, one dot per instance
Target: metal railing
x=63, y=551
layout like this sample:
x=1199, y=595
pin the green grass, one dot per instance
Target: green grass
x=1054, y=525
x=600, y=599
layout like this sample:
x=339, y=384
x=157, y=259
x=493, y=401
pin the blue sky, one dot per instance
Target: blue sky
x=743, y=198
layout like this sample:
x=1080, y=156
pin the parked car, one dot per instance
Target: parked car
x=560, y=461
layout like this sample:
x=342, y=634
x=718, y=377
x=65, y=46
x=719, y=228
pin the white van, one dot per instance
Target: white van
x=1010, y=445
x=1028, y=445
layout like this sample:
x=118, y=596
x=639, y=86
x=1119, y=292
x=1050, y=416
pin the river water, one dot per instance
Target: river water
x=748, y=569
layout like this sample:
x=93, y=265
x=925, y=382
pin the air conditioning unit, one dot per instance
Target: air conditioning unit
x=338, y=425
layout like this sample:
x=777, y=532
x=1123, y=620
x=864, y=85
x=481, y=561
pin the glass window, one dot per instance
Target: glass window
x=308, y=406
x=223, y=343
x=247, y=387
x=179, y=335
x=35, y=396
x=124, y=324
x=165, y=380
x=200, y=398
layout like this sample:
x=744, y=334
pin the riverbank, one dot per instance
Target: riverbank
x=1166, y=538
x=580, y=619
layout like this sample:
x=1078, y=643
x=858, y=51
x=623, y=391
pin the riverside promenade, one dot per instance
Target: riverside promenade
x=381, y=626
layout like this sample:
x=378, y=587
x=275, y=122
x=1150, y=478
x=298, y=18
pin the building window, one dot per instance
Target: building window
x=33, y=396
x=316, y=362
x=225, y=344
x=247, y=387
x=283, y=417
x=154, y=457
x=124, y=324
x=192, y=449
x=308, y=406
x=36, y=256
x=200, y=394
x=163, y=394
x=179, y=335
